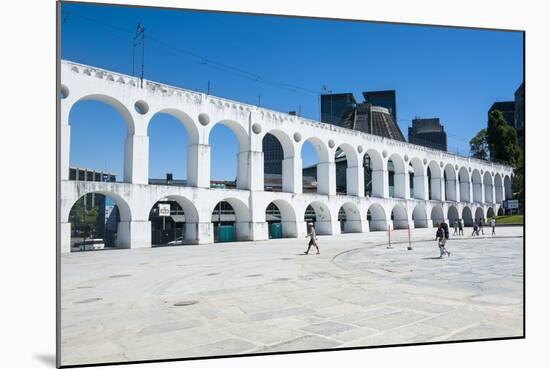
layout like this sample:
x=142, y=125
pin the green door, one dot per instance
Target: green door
x=276, y=230
x=226, y=233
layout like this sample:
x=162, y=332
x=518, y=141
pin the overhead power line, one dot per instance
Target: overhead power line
x=138, y=39
x=252, y=76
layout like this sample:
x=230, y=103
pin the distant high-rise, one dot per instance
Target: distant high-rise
x=385, y=99
x=508, y=110
x=376, y=115
x=372, y=119
x=428, y=133
x=334, y=107
x=519, y=121
x=513, y=112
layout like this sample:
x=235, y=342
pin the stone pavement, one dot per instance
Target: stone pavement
x=239, y=298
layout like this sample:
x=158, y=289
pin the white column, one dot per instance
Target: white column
x=134, y=234
x=65, y=144
x=292, y=175
x=198, y=166
x=198, y=233
x=408, y=185
x=205, y=233
x=501, y=194
x=243, y=231
x=451, y=194
x=421, y=187
x=65, y=138
x=326, y=178
x=400, y=185
x=365, y=225
x=258, y=231
x=136, y=159
x=380, y=186
x=470, y=192
x=443, y=189
x=65, y=237
x=465, y=190
x=299, y=226
x=258, y=225
x=436, y=188
x=250, y=170
x=355, y=181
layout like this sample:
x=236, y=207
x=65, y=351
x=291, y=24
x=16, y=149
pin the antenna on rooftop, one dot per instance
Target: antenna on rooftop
x=139, y=39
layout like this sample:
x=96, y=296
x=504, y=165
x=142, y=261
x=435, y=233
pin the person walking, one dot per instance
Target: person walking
x=493, y=225
x=312, y=238
x=481, y=225
x=441, y=240
x=461, y=227
x=455, y=224
x=475, y=231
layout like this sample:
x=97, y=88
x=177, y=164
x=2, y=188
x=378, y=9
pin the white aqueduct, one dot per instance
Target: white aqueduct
x=472, y=188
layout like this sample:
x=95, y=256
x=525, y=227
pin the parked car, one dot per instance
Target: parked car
x=90, y=244
x=177, y=241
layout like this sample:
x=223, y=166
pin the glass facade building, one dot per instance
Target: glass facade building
x=385, y=99
x=428, y=133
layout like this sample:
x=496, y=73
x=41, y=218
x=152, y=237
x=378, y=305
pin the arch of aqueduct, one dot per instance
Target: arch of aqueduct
x=474, y=188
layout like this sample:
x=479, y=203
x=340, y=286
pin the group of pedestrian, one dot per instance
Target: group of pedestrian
x=459, y=227
x=441, y=235
x=478, y=226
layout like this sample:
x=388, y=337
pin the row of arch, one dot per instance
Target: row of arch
x=389, y=174
x=349, y=217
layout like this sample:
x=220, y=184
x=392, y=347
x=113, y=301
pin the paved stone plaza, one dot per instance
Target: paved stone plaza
x=239, y=298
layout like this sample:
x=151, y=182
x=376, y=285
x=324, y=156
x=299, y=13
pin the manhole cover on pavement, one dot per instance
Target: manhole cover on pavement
x=186, y=303
x=286, y=258
x=119, y=275
x=89, y=300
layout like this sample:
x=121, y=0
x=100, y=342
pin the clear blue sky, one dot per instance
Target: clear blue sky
x=453, y=74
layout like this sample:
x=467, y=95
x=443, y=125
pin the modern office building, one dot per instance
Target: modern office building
x=429, y=133
x=519, y=121
x=508, y=110
x=372, y=119
x=376, y=115
x=519, y=107
x=385, y=99
x=334, y=107
x=514, y=112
